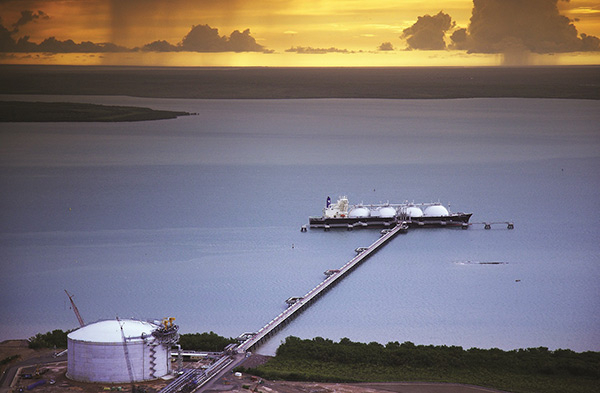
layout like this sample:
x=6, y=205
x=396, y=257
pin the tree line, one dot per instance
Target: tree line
x=521, y=370
x=54, y=339
x=210, y=342
x=536, y=360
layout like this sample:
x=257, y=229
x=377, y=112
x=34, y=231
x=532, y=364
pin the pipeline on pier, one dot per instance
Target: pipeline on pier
x=300, y=303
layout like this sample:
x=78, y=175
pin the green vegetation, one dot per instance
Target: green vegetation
x=523, y=370
x=6, y=361
x=9, y=359
x=191, y=341
x=16, y=111
x=54, y=339
x=211, y=342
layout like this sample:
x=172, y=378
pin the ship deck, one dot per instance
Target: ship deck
x=453, y=220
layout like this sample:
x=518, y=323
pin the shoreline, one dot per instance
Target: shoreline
x=22, y=111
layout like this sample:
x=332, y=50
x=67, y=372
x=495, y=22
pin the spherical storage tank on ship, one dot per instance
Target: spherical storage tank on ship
x=101, y=351
x=436, y=211
x=387, y=212
x=414, y=211
x=359, y=212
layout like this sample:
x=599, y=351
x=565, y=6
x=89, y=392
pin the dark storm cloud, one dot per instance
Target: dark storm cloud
x=428, y=32
x=512, y=26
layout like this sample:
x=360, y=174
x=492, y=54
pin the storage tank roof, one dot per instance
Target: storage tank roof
x=110, y=331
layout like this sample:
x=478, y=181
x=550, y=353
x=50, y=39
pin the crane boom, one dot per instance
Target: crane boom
x=81, y=323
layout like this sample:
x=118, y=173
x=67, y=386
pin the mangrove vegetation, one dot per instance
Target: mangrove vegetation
x=523, y=370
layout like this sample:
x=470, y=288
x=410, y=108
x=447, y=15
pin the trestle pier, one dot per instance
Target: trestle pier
x=297, y=304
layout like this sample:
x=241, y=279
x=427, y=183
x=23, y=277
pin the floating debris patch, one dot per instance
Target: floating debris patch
x=480, y=263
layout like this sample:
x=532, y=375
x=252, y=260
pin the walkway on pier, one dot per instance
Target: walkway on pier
x=302, y=303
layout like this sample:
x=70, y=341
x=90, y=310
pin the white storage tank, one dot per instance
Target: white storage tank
x=387, y=212
x=359, y=212
x=98, y=353
x=436, y=211
x=414, y=211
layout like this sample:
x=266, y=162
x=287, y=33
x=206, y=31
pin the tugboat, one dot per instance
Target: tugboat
x=343, y=215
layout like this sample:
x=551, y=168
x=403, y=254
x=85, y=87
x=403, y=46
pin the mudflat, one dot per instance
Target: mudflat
x=17, y=111
x=575, y=82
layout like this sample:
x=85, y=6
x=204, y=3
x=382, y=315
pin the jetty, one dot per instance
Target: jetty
x=297, y=304
x=234, y=354
x=199, y=380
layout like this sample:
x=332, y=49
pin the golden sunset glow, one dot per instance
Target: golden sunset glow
x=288, y=33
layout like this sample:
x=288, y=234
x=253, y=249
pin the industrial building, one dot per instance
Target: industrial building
x=121, y=351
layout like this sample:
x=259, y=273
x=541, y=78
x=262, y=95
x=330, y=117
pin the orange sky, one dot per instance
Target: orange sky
x=351, y=31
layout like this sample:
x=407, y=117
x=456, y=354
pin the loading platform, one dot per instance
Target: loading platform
x=298, y=304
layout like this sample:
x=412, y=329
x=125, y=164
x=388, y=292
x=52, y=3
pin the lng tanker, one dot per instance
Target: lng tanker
x=343, y=215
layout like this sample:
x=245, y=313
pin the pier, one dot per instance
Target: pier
x=297, y=304
x=199, y=380
x=234, y=354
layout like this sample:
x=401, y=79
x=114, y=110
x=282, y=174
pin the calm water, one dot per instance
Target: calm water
x=199, y=218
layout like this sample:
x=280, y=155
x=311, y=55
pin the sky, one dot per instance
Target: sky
x=300, y=33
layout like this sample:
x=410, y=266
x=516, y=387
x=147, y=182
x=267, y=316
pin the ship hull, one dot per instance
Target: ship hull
x=453, y=220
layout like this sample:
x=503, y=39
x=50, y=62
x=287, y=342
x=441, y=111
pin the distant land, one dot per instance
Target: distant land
x=17, y=111
x=570, y=82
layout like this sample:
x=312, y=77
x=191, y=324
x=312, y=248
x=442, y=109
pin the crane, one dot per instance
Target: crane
x=81, y=323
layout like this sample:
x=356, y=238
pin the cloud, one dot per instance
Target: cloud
x=385, y=46
x=243, y=42
x=459, y=39
x=312, y=51
x=160, y=46
x=428, y=32
x=589, y=43
x=49, y=45
x=7, y=44
x=201, y=38
x=28, y=16
x=514, y=26
x=52, y=45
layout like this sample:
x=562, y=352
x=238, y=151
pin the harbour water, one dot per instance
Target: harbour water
x=199, y=218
